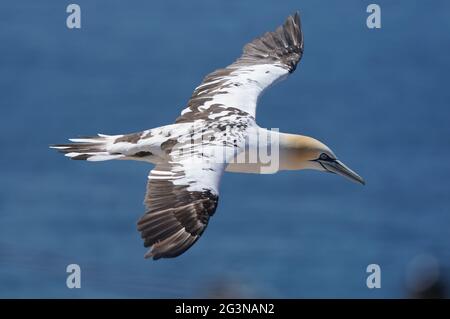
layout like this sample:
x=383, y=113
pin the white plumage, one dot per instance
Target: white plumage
x=217, y=126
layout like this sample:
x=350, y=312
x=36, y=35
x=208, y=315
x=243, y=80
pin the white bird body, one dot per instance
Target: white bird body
x=216, y=132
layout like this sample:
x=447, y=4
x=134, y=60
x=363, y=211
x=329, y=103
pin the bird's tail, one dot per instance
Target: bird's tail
x=93, y=148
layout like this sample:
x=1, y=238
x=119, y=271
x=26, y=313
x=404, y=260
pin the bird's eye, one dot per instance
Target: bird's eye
x=324, y=157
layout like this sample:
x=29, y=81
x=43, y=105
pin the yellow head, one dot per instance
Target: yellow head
x=303, y=152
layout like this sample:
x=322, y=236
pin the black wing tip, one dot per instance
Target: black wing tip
x=176, y=218
x=295, y=20
x=284, y=45
x=295, y=17
x=171, y=249
x=292, y=28
x=150, y=255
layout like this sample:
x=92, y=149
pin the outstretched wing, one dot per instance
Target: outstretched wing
x=181, y=197
x=264, y=61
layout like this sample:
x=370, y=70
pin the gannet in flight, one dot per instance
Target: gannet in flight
x=216, y=127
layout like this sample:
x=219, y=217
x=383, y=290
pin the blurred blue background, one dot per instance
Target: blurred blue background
x=379, y=98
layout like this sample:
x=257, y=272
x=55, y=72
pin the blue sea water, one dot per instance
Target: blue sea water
x=379, y=98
